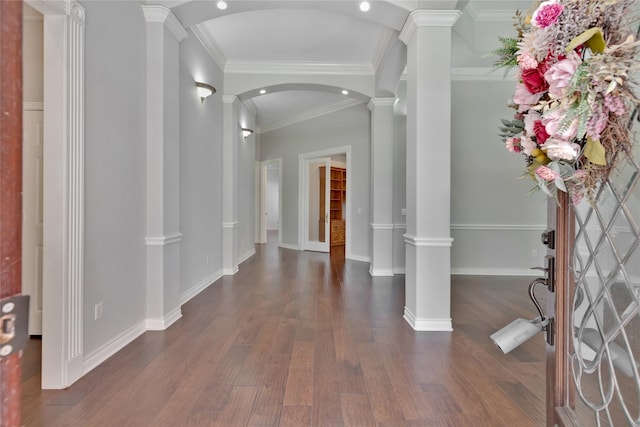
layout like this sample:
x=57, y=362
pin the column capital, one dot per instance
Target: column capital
x=229, y=99
x=154, y=13
x=427, y=18
x=381, y=102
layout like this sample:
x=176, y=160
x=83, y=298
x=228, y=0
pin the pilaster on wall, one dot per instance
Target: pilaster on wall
x=63, y=195
x=164, y=34
x=381, y=186
x=231, y=106
x=427, y=34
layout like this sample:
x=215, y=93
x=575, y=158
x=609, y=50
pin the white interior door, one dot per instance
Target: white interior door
x=317, y=204
x=32, y=163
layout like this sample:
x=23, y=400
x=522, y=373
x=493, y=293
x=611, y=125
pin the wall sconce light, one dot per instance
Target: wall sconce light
x=246, y=132
x=205, y=90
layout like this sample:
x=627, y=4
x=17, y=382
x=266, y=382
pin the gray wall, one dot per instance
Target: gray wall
x=115, y=138
x=351, y=126
x=200, y=170
x=495, y=223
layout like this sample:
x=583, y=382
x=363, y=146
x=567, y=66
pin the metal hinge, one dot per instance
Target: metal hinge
x=14, y=324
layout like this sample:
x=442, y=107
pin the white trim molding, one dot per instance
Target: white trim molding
x=163, y=15
x=112, y=347
x=500, y=227
x=431, y=325
x=208, y=42
x=521, y=272
x=162, y=323
x=228, y=225
x=361, y=258
x=163, y=240
x=289, y=246
x=200, y=286
x=382, y=226
x=299, y=68
x=246, y=256
x=428, y=241
x=427, y=18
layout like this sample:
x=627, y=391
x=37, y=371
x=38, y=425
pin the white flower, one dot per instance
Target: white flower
x=558, y=149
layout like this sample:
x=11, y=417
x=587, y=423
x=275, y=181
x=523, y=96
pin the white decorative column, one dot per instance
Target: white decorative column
x=427, y=34
x=164, y=34
x=231, y=106
x=63, y=196
x=381, y=186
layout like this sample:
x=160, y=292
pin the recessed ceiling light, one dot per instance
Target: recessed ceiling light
x=263, y=91
x=345, y=92
x=365, y=6
x=222, y=5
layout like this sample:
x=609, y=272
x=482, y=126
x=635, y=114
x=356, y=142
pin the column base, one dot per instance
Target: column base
x=433, y=325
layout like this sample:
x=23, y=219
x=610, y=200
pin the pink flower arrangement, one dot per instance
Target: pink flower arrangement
x=573, y=101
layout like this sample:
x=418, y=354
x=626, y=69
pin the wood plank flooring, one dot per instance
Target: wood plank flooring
x=303, y=339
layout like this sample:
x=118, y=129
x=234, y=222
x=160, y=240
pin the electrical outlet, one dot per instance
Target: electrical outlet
x=98, y=311
x=534, y=253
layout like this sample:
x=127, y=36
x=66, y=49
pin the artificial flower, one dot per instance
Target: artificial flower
x=546, y=14
x=559, y=75
x=527, y=61
x=528, y=145
x=513, y=144
x=533, y=78
x=558, y=149
x=546, y=173
x=555, y=123
x=524, y=98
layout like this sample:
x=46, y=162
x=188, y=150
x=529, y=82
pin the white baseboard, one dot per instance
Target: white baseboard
x=230, y=271
x=495, y=272
x=289, y=246
x=247, y=255
x=200, y=286
x=112, y=347
x=431, y=325
x=160, y=324
x=381, y=272
x=399, y=270
x=359, y=258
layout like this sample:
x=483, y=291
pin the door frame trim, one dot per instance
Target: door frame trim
x=63, y=192
x=303, y=192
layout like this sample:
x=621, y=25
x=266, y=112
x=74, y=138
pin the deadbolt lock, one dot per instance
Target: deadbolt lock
x=14, y=324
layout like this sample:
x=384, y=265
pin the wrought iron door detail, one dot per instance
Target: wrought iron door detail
x=605, y=317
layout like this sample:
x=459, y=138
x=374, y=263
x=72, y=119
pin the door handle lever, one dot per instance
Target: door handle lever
x=550, y=272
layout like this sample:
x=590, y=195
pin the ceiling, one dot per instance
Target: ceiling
x=307, y=35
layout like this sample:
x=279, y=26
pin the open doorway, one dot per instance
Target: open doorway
x=325, y=206
x=271, y=202
x=32, y=164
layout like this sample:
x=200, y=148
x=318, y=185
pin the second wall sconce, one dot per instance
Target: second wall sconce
x=246, y=132
x=204, y=90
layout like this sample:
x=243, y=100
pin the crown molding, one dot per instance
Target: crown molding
x=427, y=18
x=290, y=67
x=207, y=41
x=383, y=46
x=479, y=15
x=312, y=114
x=381, y=101
x=50, y=7
x=251, y=106
x=163, y=15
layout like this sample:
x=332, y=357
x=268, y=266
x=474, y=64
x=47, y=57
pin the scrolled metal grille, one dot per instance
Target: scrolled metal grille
x=606, y=309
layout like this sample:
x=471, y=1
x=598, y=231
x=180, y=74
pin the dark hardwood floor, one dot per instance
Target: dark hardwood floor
x=305, y=339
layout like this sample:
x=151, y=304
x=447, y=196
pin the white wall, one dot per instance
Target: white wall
x=200, y=170
x=495, y=223
x=115, y=137
x=342, y=128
